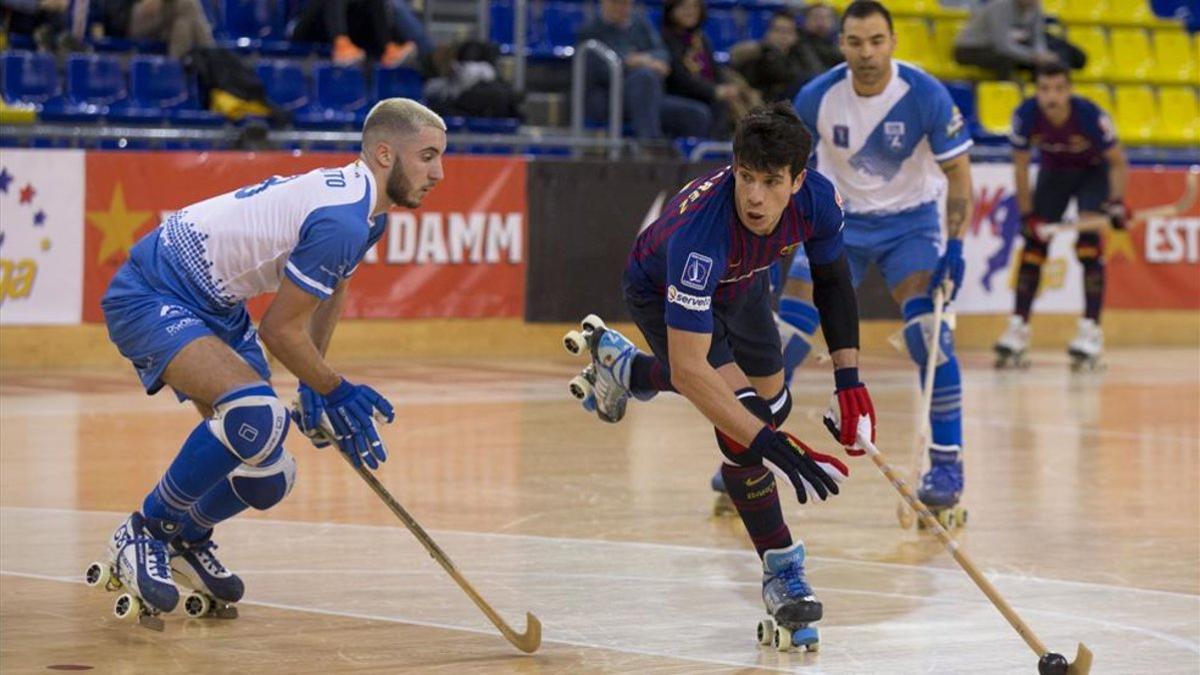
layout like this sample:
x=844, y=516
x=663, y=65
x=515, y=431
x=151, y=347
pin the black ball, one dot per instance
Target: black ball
x=1052, y=664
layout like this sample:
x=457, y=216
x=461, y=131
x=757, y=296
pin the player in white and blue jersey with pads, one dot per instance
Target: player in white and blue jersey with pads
x=893, y=143
x=176, y=310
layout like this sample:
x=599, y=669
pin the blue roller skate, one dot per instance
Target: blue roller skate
x=790, y=602
x=214, y=587
x=723, y=506
x=140, y=564
x=603, y=386
x=942, y=486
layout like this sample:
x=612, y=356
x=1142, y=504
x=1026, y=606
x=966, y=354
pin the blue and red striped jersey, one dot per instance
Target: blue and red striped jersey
x=698, y=254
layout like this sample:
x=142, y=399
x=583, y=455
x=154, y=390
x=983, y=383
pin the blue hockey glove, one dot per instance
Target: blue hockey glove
x=950, y=267
x=308, y=413
x=351, y=409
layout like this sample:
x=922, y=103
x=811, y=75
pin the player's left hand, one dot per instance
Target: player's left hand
x=951, y=267
x=1118, y=213
x=850, y=412
x=309, y=416
x=352, y=409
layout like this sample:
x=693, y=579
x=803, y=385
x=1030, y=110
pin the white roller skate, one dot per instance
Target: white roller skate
x=603, y=385
x=791, y=605
x=942, y=486
x=1087, y=347
x=214, y=587
x=1013, y=345
x=140, y=564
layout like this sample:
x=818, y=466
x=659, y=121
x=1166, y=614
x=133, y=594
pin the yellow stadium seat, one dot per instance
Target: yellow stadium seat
x=1136, y=113
x=1132, y=60
x=1174, y=60
x=1180, y=116
x=1136, y=12
x=997, y=101
x=941, y=50
x=1097, y=93
x=1093, y=40
x=1083, y=11
x=912, y=41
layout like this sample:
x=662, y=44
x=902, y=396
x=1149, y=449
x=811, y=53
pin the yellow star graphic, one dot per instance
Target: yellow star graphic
x=1119, y=243
x=118, y=225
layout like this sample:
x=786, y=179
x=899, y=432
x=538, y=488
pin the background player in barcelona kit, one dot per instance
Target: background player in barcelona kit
x=696, y=284
x=176, y=310
x=1080, y=159
x=892, y=141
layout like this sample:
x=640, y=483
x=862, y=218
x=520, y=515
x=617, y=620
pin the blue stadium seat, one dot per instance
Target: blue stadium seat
x=31, y=78
x=95, y=83
x=400, y=81
x=341, y=97
x=501, y=23
x=562, y=21
x=493, y=125
x=286, y=84
x=161, y=91
x=723, y=29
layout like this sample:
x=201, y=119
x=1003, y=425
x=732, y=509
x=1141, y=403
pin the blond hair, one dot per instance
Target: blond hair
x=394, y=117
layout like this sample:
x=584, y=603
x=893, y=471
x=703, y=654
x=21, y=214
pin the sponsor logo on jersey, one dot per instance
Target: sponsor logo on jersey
x=787, y=250
x=956, y=122
x=696, y=271
x=895, y=134
x=695, y=303
x=841, y=135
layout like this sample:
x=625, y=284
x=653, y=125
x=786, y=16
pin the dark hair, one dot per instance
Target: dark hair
x=1052, y=70
x=670, y=5
x=772, y=136
x=861, y=9
x=784, y=14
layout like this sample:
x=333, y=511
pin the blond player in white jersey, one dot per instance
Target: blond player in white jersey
x=176, y=310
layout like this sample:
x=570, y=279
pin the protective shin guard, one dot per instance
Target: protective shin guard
x=261, y=487
x=1089, y=249
x=945, y=412
x=753, y=492
x=648, y=375
x=202, y=462
x=1029, y=275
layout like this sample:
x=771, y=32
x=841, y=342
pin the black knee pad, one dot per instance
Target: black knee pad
x=781, y=407
x=731, y=449
x=1089, y=248
x=1035, y=251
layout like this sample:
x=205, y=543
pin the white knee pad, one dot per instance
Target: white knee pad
x=250, y=422
x=265, y=485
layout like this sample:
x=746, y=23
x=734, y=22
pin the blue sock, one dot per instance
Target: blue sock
x=945, y=412
x=802, y=316
x=202, y=462
x=218, y=504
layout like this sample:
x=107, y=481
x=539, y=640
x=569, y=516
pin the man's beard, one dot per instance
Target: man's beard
x=399, y=190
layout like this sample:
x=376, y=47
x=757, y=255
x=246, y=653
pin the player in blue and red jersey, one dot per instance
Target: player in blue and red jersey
x=1080, y=159
x=697, y=286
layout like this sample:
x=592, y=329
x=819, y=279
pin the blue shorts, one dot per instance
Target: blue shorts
x=744, y=330
x=900, y=244
x=149, y=324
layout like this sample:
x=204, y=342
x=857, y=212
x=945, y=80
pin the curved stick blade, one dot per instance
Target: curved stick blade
x=531, y=639
x=1082, y=665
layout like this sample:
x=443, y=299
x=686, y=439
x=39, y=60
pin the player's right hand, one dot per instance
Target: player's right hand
x=351, y=409
x=1118, y=213
x=309, y=414
x=811, y=473
x=1031, y=227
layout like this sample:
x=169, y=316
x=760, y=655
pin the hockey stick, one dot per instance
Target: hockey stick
x=528, y=642
x=921, y=439
x=1191, y=190
x=1049, y=661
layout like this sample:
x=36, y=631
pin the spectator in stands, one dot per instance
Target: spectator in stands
x=775, y=65
x=1005, y=35
x=356, y=29
x=694, y=72
x=182, y=24
x=819, y=39
x=34, y=17
x=646, y=64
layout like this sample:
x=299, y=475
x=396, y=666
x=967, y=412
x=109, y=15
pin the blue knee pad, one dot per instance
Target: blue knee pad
x=945, y=412
x=251, y=422
x=265, y=485
x=799, y=323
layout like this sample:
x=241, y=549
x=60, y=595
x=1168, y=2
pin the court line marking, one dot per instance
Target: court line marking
x=991, y=575
x=434, y=624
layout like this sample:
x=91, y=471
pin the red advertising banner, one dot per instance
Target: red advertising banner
x=1156, y=264
x=462, y=254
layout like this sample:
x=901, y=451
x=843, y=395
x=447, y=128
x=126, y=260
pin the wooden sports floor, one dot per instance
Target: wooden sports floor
x=1082, y=490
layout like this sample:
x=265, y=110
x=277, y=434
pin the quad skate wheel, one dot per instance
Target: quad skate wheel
x=782, y=640
x=97, y=575
x=580, y=387
x=575, y=342
x=766, y=632
x=197, y=605
x=592, y=323
x=127, y=607
x=806, y=638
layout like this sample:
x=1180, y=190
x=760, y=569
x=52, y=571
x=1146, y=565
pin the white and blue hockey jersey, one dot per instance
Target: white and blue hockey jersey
x=882, y=152
x=313, y=228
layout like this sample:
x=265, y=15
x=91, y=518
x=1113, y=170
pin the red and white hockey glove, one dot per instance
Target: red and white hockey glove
x=1118, y=213
x=850, y=412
